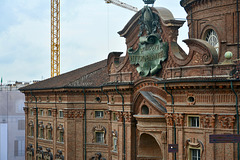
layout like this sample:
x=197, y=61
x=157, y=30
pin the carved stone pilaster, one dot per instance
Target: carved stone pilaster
x=128, y=116
x=34, y=111
x=164, y=137
x=119, y=116
x=207, y=121
x=54, y=112
x=108, y=114
x=169, y=119
x=226, y=121
x=178, y=118
x=26, y=110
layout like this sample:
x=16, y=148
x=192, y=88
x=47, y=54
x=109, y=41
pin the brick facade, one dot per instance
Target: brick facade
x=108, y=111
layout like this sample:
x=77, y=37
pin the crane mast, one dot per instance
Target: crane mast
x=121, y=4
x=55, y=38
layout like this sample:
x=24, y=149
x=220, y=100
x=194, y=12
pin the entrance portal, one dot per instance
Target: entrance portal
x=149, y=148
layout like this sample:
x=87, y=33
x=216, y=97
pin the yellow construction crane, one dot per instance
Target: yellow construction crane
x=55, y=38
x=121, y=4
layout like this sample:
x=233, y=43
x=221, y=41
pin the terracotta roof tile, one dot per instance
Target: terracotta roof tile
x=92, y=75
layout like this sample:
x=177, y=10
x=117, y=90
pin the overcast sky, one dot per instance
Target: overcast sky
x=88, y=33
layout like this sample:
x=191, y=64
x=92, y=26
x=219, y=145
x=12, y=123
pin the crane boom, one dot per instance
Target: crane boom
x=55, y=38
x=121, y=4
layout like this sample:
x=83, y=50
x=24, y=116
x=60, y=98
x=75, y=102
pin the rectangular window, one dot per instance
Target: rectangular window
x=193, y=121
x=61, y=136
x=19, y=146
x=31, y=112
x=60, y=114
x=49, y=112
x=21, y=124
x=41, y=133
x=50, y=134
x=195, y=154
x=41, y=112
x=98, y=114
x=115, y=143
x=99, y=137
x=114, y=117
x=31, y=131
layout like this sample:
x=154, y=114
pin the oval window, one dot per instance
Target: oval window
x=145, y=110
x=191, y=99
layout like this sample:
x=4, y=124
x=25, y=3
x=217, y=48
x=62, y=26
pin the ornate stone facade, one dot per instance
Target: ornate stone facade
x=107, y=110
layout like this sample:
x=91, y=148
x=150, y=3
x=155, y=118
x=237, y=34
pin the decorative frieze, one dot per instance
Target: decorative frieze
x=208, y=121
x=169, y=119
x=73, y=113
x=127, y=115
x=178, y=118
x=226, y=121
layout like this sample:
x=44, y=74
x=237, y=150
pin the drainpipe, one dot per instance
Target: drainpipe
x=105, y=94
x=192, y=30
x=174, y=126
x=124, y=132
x=237, y=32
x=237, y=116
x=36, y=122
x=85, y=126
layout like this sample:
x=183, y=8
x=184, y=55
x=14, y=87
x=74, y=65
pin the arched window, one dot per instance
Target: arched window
x=212, y=38
x=145, y=109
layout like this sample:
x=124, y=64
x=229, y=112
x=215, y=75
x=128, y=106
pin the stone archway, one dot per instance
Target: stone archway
x=149, y=148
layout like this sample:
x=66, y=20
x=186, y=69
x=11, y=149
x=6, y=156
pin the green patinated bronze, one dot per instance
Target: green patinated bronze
x=151, y=51
x=148, y=1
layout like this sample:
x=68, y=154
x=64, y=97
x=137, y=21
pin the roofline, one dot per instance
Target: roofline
x=81, y=87
x=196, y=80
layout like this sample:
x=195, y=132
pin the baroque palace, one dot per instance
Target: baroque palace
x=155, y=103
